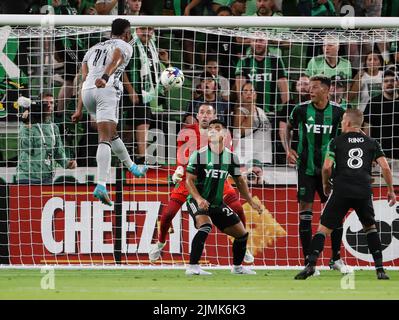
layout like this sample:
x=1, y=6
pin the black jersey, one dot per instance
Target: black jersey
x=353, y=154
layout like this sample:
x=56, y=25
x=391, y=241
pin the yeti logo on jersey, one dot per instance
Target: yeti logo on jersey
x=387, y=222
x=318, y=128
x=214, y=173
x=260, y=77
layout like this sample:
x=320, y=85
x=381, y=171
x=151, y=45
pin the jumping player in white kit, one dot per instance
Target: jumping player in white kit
x=101, y=91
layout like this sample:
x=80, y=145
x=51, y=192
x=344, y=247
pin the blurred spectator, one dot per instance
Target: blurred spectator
x=238, y=7
x=133, y=7
x=266, y=8
x=301, y=94
x=107, y=7
x=141, y=82
x=207, y=93
x=40, y=144
x=267, y=73
x=330, y=63
x=322, y=8
x=394, y=58
x=338, y=92
x=381, y=117
x=368, y=81
x=368, y=8
x=252, y=129
x=86, y=7
x=390, y=8
x=189, y=8
x=224, y=11
x=212, y=68
x=226, y=48
x=62, y=7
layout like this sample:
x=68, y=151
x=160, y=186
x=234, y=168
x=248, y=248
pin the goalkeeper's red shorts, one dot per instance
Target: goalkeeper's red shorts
x=180, y=193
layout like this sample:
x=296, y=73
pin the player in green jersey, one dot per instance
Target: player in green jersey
x=207, y=170
x=317, y=121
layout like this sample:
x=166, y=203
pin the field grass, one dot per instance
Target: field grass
x=174, y=284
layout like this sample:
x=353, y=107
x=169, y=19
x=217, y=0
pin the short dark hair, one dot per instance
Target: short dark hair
x=389, y=73
x=119, y=26
x=323, y=79
x=224, y=8
x=217, y=121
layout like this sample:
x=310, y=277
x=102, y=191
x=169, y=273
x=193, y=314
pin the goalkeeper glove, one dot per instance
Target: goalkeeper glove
x=178, y=175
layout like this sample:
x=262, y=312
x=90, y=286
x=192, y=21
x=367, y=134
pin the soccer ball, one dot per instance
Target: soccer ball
x=172, y=78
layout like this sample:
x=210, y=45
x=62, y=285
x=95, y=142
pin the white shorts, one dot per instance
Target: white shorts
x=102, y=103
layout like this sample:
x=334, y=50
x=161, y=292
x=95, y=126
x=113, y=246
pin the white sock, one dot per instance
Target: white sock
x=103, y=162
x=119, y=148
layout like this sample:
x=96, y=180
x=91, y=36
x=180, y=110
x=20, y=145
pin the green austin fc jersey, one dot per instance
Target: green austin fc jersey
x=318, y=65
x=316, y=128
x=264, y=75
x=212, y=171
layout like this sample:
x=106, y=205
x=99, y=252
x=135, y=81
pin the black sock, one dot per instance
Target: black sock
x=336, y=239
x=198, y=243
x=305, y=231
x=316, y=247
x=239, y=248
x=374, y=244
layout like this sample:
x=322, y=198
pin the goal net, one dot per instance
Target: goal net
x=253, y=77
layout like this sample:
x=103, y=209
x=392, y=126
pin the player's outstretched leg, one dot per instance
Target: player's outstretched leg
x=197, y=247
x=103, y=157
x=167, y=216
x=316, y=248
x=336, y=263
x=119, y=148
x=374, y=244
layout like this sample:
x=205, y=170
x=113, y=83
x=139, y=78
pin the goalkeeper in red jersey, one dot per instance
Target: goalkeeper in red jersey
x=193, y=137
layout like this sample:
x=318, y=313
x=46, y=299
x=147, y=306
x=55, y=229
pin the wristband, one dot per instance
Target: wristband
x=105, y=77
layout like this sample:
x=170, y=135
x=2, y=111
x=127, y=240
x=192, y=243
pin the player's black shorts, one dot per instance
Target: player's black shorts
x=222, y=216
x=337, y=207
x=308, y=186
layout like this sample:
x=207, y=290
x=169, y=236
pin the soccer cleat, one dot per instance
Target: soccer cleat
x=248, y=258
x=137, y=172
x=340, y=266
x=100, y=192
x=155, y=252
x=195, y=270
x=381, y=275
x=316, y=273
x=306, y=273
x=242, y=270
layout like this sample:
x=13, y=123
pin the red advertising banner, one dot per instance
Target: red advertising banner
x=66, y=225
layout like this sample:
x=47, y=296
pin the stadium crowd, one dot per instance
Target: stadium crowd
x=246, y=80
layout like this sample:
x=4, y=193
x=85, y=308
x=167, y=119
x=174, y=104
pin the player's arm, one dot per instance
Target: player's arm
x=192, y=189
x=133, y=96
x=77, y=116
x=328, y=165
x=283, y=88
x=387, y=174
x=242, y=187
x=292, y=156
x=116, y=60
